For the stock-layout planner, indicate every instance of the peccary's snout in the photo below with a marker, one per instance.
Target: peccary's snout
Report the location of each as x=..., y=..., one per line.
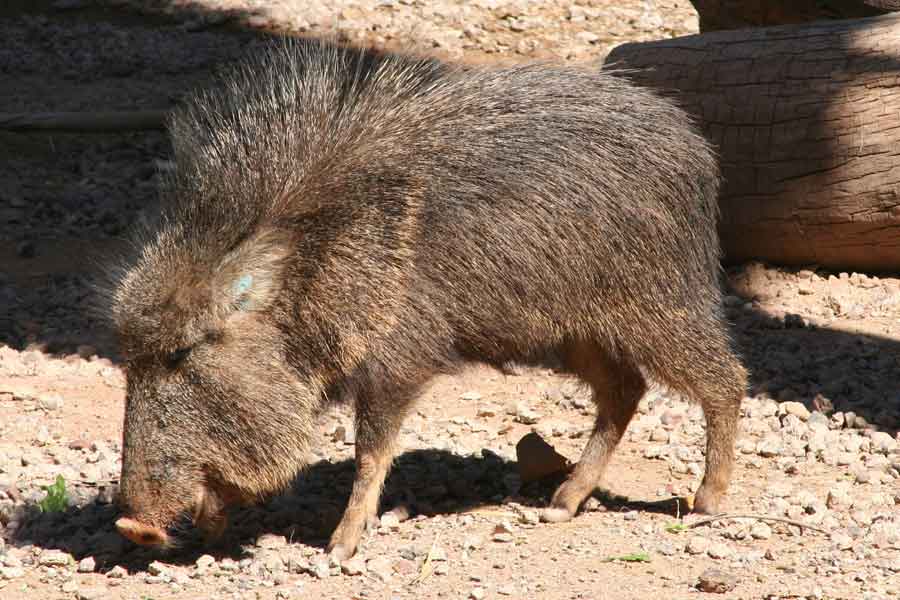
x=142, y=534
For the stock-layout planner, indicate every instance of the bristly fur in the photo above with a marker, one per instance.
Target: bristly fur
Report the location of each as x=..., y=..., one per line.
x=346, y=224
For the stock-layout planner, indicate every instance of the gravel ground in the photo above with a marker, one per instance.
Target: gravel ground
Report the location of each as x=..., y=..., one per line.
x=819, y=430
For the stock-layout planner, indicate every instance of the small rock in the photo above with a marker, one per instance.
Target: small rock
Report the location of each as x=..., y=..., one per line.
x=90, y=594
x=390, y=521
x=882, y=442
x=770, y=446
x=862, y=474
x=320, y=567
x=719, y=551
x=117, y=572
x=69, y=587
x=381, y=568
x=157, y=568
x=697, y=545
x=842, y=541
x=55, y=558
x=530, y=517
x=7, y=573
x=205, y=561
x=477, y=594
x=659, y=435
x=87, y=565
x=354, y=566
x=470, y=396
x=50, y=401
x=525, y=415
x=794, y=408
x=271, y=541
x=716, y=581
x=838, y=497
x=229, y=565
x=760, y=531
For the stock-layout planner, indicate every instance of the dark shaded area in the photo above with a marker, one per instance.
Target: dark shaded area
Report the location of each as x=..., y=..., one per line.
x=734, y=14
x=428, y=482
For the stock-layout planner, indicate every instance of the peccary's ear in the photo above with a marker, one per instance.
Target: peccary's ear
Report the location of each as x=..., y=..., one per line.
x=249, y=277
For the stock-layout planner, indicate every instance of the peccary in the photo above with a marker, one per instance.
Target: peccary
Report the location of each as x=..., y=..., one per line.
x=341, y=224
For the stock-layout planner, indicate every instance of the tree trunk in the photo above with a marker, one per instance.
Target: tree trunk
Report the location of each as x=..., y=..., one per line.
x=735, y=14
x=806, y=119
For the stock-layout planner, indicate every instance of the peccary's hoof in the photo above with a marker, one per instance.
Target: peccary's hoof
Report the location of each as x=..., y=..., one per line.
x=339, y=553
x=555, y=515
x=705, y=503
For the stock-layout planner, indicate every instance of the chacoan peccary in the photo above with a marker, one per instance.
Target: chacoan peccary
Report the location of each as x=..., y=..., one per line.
x=345, y=224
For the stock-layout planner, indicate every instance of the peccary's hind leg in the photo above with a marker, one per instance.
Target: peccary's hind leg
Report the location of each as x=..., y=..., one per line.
x=721, y=401
x=618, y=387
x=376, y=432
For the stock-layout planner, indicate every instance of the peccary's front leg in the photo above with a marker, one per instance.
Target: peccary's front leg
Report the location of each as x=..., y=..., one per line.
x=377, y=424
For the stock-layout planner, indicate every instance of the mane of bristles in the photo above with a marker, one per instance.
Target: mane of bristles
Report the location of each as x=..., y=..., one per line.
x=276, y=123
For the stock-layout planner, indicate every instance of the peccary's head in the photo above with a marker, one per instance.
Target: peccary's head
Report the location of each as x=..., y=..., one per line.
x=214, y=414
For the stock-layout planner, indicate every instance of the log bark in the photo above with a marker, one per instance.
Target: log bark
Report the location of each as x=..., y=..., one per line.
x=734, y=14
x=806, y=120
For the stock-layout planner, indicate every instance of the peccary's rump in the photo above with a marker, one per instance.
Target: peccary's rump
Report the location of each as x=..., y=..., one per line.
x=345, y=225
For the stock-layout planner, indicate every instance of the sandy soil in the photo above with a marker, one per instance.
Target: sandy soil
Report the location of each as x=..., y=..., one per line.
x=819, y=428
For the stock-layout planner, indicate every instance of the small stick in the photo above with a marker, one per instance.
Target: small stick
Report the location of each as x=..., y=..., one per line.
x=427, y=569
x=722, y=516
x=84, y=121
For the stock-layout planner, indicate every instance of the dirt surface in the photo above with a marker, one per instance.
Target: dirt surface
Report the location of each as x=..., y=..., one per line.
x=819, y=431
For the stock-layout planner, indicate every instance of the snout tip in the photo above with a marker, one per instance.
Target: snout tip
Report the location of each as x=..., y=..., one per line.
x=141, y=534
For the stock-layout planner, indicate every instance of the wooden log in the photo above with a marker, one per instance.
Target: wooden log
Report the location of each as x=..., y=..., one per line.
x=734, y=14
x=806, y=119
x=84, y=121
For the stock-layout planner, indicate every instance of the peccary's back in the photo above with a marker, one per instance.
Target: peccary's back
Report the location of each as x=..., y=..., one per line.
x=529, y=197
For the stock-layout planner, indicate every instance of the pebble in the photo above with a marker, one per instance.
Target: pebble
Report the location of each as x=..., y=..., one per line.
x=50, y=401
x=117, y=572
x=11, y=572
x=87, y=565
x=525, y=415
x=69, y=587
x=270, y=541
x=381, y=568
x=769, y=447
x=205, y=561
x=719, y=550
x=55, y=558
x=320, y=567
x=794, y=408
x=716, y=581
x=157, y=568
x=697, y=545
x=477, y=593
x=354, y=566
x=760, y=531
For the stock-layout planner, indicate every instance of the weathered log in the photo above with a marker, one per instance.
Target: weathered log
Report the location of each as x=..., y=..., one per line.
x=734, y=14
x=84, y=121
x=806, y=119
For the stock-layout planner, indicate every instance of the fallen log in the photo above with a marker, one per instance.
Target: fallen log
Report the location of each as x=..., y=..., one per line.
x=806, y=119
x=734, y=14
x=84, y=121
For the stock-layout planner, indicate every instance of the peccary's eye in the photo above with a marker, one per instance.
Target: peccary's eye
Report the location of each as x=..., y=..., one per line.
x=175, y=358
